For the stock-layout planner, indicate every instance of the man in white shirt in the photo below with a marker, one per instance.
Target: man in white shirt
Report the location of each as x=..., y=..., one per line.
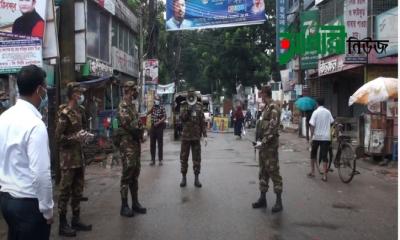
x=26, y=195
x=178, y=20
x=320, y=122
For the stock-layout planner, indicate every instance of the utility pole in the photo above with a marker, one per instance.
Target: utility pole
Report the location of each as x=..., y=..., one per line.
x=67, y=63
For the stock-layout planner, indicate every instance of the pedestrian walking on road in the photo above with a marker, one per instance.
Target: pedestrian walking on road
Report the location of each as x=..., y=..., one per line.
x=129, y=137
x=238, y=119
x=158, y=117
x=194, y=127
x=268, y=143
x=320, y=122
x=26, y=196
x=70, y=135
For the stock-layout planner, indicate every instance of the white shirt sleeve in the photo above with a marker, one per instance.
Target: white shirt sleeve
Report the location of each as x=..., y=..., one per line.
x=39, y=164
x=312, y=119
x=332, y=120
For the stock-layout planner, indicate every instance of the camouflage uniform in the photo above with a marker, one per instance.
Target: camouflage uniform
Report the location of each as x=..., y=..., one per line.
x=70, y=121
x=267, y=132
x=194, y=127
x=129, y=135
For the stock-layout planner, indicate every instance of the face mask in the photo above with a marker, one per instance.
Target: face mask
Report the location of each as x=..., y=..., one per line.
x=43, y=101
x=81, y=99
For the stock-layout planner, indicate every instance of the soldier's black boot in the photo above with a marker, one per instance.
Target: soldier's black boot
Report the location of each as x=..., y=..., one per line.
x=125, y=210
x=153, y=162
x=77, y=225
x=65, y=229
x=136, y=206
x=197, y=182
x=183, y=182
x=278, y=204
x=261, y=202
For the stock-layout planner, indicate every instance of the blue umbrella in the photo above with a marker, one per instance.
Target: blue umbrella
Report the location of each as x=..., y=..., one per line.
x=305, y=104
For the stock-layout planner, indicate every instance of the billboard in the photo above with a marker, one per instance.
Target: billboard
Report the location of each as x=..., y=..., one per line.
x=309, y=21
x=201, y=14
x=356, y=22
x=150, y=68
x=25, y=18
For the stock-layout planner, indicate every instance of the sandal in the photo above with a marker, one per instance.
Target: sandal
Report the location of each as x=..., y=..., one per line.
x=324, y=178
x=310, y=175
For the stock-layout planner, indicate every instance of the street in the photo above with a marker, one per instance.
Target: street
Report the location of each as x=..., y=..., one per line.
x=364, y=209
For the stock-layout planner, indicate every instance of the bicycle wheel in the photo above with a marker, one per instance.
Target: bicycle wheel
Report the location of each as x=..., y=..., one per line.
x=347, y=160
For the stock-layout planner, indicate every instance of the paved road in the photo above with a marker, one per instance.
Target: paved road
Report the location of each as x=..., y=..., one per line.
x=364, y=209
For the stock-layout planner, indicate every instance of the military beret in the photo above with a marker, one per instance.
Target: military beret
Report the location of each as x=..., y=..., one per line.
x=75, y=86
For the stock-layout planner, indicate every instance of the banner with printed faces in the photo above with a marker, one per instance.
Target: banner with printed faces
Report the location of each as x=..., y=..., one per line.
x=201, y=14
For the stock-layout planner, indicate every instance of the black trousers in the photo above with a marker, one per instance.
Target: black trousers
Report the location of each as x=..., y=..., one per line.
x=24, y=220
x=156, y=135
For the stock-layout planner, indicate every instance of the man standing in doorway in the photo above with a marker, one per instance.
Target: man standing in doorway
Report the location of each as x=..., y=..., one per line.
x=130, y=134
x=158, y=117
x=320, y=122
x=268, y=143
x=194, y=127
x=70, y=135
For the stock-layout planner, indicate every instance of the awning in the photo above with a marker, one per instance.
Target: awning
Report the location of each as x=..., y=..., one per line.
x=98, y=82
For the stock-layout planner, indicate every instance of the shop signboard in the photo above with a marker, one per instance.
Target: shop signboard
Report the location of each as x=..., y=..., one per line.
x=18, y=53
x=355, y=18
x=24, y=18
x=150, y=68
x=99, y=68
x=334, y=64
x=201, y=14
x=386, y=29
x=123, y=62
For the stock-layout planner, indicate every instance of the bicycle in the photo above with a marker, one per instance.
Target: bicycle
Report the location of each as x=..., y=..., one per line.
x=345, y=158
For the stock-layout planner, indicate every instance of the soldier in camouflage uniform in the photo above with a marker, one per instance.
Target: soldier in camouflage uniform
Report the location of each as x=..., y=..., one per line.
x=70, y=135
x=194, y=127
x=268, y=142
x=129, y=135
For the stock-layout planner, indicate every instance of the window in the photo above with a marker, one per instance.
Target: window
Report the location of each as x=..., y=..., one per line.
x=97, y=33
x=331, y=11
x=114, y=33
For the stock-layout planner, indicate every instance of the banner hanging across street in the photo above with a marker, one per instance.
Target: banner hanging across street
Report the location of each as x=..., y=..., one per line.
x=25, y=18
x=201, y=14
x=166, y=89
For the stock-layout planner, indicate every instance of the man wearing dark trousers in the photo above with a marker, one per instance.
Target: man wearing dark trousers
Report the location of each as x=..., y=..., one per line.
x=26, y=195
x=158, y=117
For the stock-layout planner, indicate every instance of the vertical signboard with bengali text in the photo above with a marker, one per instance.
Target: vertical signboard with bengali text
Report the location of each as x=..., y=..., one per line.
x=356, y=24
x=280, y=23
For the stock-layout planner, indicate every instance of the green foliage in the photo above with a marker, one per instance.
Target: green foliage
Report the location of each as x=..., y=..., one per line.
x=217, y=59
